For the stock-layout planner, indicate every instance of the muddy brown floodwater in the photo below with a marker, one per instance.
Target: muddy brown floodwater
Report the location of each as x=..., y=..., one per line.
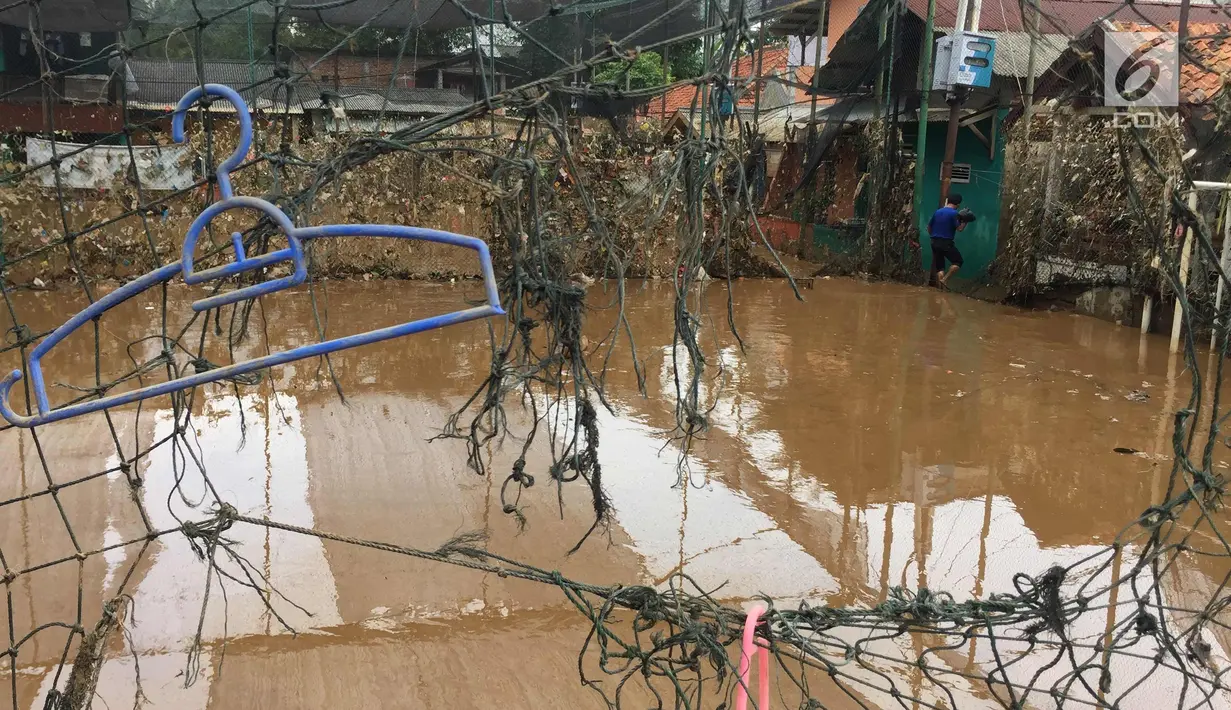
x=872, y=436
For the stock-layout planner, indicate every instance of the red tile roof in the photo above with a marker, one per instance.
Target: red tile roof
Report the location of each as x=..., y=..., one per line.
x=1209, y=42
x=1201, y=81
x=682, y=97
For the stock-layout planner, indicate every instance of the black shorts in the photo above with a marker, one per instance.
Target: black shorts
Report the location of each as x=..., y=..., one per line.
x=944, y=249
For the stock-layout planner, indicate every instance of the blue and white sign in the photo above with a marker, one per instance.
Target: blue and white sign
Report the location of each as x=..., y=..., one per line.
x=973, y=58
x=964, y=59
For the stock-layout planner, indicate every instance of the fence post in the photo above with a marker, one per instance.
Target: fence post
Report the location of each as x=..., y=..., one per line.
x=1226, y=257
x=1058, y=123
x=1177, y=319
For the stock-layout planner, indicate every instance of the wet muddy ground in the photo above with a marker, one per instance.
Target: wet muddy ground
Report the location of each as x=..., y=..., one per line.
x=872, y=436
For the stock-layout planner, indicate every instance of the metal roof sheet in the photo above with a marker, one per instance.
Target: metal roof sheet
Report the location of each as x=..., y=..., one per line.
x=1012, y=57
x=165, y=81
x=1070, y=17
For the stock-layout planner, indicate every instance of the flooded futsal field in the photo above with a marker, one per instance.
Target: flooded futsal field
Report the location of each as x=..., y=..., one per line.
x=873, y=436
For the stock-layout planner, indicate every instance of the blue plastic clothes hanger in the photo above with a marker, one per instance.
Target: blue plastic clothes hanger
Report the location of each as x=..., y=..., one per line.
x=294, y=253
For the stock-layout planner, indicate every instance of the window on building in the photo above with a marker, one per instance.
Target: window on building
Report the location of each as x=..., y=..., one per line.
x=961, y=173
x=86, y=40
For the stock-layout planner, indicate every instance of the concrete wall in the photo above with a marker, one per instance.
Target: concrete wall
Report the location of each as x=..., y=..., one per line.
x=1110, y=303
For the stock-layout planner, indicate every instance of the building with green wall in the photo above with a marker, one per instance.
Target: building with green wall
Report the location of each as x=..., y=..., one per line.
x=981, y=194
x=873, y=72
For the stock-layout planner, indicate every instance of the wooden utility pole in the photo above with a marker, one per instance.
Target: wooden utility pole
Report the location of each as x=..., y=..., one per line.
x=954, y=97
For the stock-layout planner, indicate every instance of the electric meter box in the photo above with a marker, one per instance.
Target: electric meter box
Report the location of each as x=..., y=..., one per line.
x=964, y=59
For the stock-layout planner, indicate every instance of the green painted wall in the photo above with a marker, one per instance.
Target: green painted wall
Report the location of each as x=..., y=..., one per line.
x=982, y=196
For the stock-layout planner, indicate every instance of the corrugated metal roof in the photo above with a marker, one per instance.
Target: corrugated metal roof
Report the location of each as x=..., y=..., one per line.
x=1070, y=17
x=865, y=110
x=800, y=20
x=162, y=82
x=1012, y=57
x=262, y=105
x=774, y=122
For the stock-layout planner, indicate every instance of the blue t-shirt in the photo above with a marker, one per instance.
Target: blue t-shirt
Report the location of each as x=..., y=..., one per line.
x=944, y=223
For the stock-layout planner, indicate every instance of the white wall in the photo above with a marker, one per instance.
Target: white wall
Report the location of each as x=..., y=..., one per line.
x=107, y=166
x=804, y=56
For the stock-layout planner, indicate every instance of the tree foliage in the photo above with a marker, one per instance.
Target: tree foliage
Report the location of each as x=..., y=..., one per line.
x=642, y=73
x=685, y=60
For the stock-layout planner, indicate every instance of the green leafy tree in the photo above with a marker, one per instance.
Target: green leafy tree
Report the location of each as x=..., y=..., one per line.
x=684, y=59
x=642, y=73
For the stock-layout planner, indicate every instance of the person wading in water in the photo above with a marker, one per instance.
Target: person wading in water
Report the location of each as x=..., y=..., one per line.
x=943, y=228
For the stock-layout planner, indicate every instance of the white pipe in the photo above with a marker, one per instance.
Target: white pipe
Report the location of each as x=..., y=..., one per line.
x=974, y=15
x=1226, y=256
x=1147, y=314
x=1185, y=257
x=1028, y=99
x=959, y=21
x=1206, y=185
